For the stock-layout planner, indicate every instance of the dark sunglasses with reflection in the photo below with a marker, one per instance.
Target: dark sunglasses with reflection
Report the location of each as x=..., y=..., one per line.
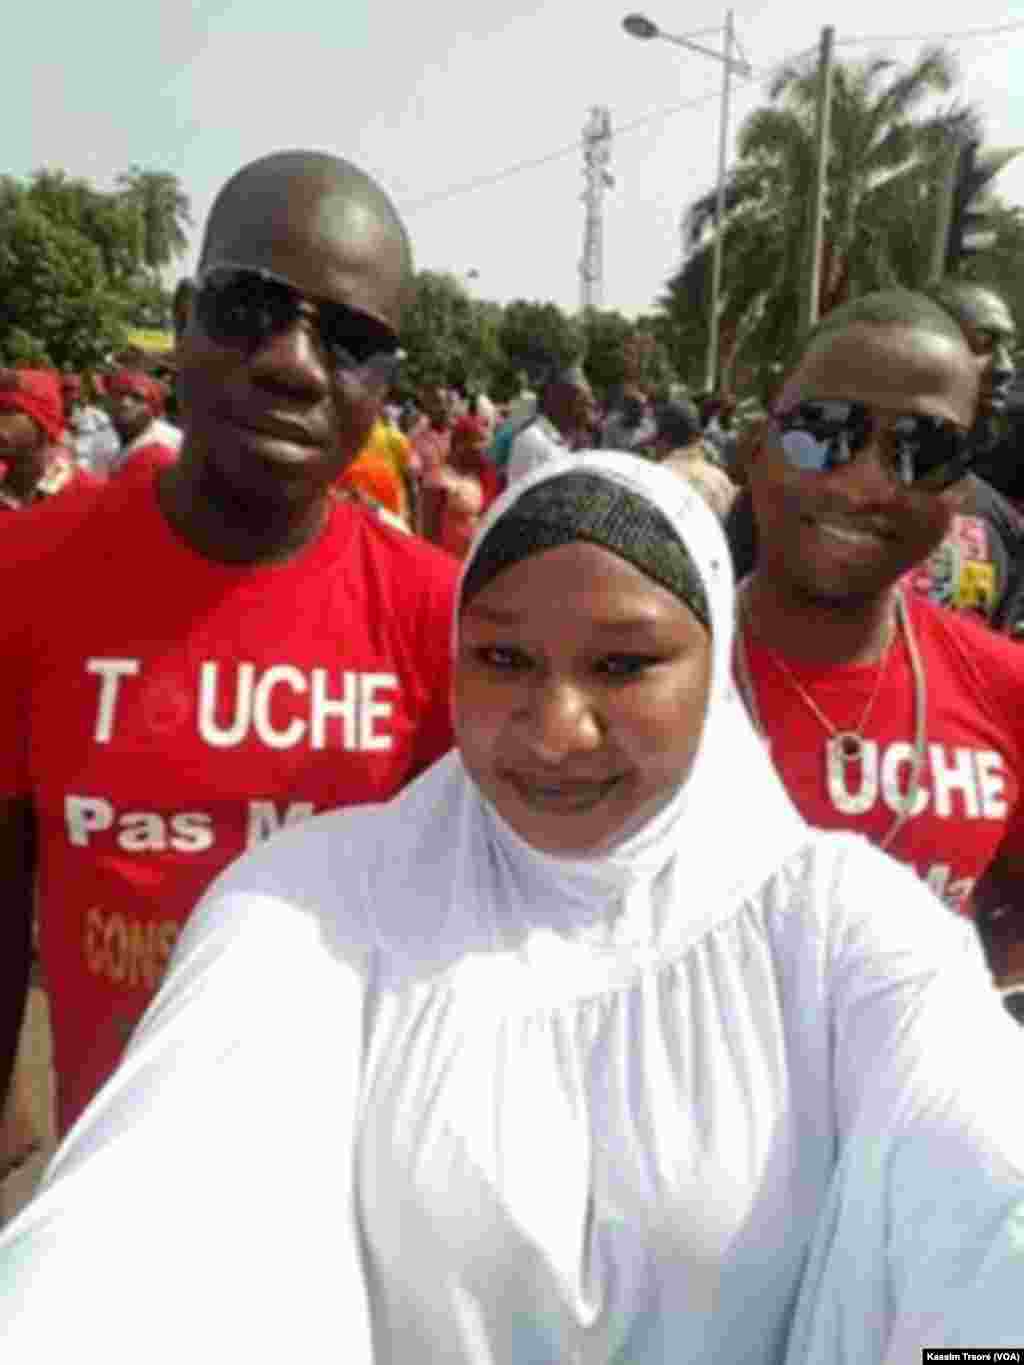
x=245, y=307
x=822, y=434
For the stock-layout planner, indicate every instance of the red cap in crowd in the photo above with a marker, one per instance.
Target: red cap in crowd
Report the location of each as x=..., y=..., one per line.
x=138, y=383
x=470, y=426
x=36, y=393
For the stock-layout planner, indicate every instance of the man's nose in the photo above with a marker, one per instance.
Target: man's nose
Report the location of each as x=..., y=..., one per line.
x=292, y=359
x=1002, y=364
x=870, y=478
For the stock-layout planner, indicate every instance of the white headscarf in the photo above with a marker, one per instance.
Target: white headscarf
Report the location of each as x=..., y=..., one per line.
x=729, y=825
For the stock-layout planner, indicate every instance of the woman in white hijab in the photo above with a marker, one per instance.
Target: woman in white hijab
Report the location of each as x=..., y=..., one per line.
x=583, y=1049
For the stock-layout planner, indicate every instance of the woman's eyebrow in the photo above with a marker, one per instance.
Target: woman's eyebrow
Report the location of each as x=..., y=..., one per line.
x=495, y=615
x=620, y=624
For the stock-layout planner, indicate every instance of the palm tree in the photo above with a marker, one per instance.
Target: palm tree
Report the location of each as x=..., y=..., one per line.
x=163, y=211
x=880, y=203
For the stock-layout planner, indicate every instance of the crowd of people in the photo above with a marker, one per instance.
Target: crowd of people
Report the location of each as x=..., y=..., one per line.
x=636, y=1012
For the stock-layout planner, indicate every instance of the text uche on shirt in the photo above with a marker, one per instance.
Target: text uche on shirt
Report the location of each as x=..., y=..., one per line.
x=957, y=782
x=327, y=708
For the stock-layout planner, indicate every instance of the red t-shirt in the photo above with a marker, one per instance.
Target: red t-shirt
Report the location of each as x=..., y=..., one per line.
x=146, y=461
x=165, y=712
x=972, y=796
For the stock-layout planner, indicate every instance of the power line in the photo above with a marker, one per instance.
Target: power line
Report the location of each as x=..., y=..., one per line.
x=572, y=148
x=495, y=179
x=963, y=35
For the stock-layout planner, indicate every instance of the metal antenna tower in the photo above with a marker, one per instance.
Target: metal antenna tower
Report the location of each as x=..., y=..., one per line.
x=597, y=154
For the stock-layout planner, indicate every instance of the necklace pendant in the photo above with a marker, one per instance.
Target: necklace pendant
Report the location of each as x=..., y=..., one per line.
x=849, y=746
x=843, y=749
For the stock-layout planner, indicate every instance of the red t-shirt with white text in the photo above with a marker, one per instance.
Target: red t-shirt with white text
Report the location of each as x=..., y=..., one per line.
x=972, y=782
x=165, y=712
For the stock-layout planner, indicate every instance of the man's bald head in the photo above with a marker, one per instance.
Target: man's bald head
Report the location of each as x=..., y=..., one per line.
x=326, y=208
x=884, y=349
x=887, y=308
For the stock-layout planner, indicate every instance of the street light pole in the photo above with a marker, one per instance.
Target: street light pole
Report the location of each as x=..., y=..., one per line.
x=711, y=368
x=639, y=26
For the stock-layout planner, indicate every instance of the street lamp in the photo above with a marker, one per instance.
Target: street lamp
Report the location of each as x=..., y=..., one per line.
x=639, y=26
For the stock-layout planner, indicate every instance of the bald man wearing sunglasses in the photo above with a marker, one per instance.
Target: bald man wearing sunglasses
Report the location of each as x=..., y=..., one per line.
x=978, y=567
x=264, y=650
x=885, y=714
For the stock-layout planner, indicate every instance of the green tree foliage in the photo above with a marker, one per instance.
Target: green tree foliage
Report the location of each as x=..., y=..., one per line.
x=106, y=220
x=535, y=337
x=883, y=172
x=74, y=268
x=648, y=362
x=606, y=338
x=451, y=338
x=55, y=301
x=441, y=332
x=162, y=214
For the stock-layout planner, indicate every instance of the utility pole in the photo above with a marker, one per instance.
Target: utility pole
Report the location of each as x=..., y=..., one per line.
x=597, y=153
x=639, y=26
x=822, y=130
x=711, y=367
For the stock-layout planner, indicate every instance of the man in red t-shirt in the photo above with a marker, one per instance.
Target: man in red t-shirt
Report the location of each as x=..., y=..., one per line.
x=34, y=462
x=263, y=651
x=886, y=714
x=135, y=402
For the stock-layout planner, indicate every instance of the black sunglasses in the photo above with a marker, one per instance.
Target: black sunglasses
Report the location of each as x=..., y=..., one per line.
x=243, y=306
x=822, y=434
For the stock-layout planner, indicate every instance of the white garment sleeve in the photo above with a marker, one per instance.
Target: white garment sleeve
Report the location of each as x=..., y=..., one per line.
x=530, y=449
x=922, y=1239
x=201, y=1209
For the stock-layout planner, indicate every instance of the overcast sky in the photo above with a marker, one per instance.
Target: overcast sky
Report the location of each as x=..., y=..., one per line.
x=436, y=97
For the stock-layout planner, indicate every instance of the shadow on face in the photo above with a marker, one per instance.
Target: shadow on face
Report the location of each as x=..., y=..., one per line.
x=581, y=690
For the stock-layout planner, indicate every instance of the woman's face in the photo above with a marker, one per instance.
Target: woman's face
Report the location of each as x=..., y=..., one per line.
x=580, y=693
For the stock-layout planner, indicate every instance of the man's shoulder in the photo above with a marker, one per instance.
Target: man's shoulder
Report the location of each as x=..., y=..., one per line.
x=54, y=525
x=146, y=459
x=995, y=508
x=994, y=658
x=411, y=563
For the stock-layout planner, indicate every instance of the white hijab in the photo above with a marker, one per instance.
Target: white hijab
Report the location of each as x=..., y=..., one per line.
x=720, y=834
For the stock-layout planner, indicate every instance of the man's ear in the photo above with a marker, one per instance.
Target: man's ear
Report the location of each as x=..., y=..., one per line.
x=182, y=306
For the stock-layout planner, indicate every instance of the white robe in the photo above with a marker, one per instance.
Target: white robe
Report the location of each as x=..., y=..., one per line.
x=414, y=1092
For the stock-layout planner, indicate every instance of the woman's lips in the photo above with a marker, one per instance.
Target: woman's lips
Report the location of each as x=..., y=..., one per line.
x=560, y=795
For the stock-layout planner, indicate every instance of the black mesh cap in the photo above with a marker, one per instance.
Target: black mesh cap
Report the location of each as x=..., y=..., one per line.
x=586, y=506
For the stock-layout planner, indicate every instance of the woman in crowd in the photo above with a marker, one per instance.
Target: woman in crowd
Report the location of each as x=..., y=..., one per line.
x=583, y=1049
x=470, y=484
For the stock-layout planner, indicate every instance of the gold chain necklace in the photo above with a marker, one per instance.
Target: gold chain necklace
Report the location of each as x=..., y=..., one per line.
x=847, y=746
x=844, y=746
